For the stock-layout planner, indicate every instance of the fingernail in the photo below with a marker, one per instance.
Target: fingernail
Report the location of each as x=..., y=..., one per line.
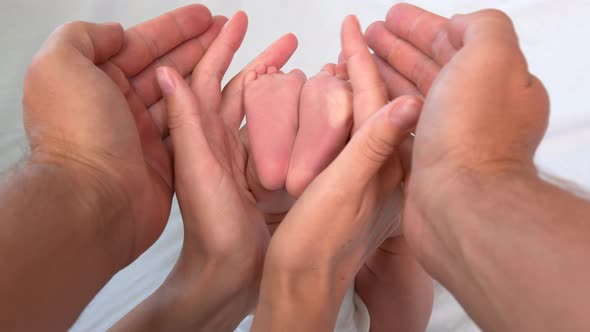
x=406, y=114
x=165, y=81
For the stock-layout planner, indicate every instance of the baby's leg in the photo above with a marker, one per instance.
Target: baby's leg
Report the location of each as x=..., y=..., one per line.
x=396, y=290
x=325, y=119
x=271, y=99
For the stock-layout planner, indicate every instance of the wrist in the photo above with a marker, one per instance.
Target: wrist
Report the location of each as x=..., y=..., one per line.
x=299, y=296
x=102, y=206
x=203, y=299
x=498, y=238
x=449, y=210
x=53, y=209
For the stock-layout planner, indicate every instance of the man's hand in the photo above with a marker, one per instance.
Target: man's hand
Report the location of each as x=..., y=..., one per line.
x=484, y=113
x=507, y=244
x=86, y=101
x=97, y=188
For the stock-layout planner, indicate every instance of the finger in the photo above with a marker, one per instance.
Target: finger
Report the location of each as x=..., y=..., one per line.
x=341, y=58
x=424, y=30
x=491, y=29
x=376, y=141
x=144, y=123
x=482, y=26
x=186, y=128
x=209, y=72
x=150, y=40
x=276, y=55
x=397, y=85
x=182, y=59
x=160, y=115
x=368, y=89
x=406, y=59
x=96, y=42
x=342, y=72
x=328, y=69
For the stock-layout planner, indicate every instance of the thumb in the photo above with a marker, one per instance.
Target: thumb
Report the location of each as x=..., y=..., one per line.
x=189, y=143
x=97, y=42
x=375, y=142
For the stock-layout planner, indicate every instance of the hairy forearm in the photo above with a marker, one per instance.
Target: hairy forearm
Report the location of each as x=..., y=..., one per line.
x=514, y=252
x=53, y=252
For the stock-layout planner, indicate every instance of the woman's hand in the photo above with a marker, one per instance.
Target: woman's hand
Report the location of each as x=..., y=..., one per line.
x=346, y=212
x=214, y=284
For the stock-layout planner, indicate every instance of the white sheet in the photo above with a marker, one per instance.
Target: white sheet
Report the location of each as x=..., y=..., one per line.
x=554, y=35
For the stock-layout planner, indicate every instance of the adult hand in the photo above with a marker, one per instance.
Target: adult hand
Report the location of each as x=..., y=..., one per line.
x=484, y=113
x=96, y=190
x=214, y=284
x=312, y=261
x=477, y=214
x=86, y=101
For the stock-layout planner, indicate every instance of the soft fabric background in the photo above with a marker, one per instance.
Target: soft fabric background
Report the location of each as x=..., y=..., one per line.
x=554, y=36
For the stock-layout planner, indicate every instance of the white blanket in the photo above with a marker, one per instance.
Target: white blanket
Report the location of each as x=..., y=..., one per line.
x=554, y=36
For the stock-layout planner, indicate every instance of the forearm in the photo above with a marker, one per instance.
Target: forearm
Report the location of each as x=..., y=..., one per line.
x=53, y=246
x=293, y=299
x=207, y=298
x=514, y=252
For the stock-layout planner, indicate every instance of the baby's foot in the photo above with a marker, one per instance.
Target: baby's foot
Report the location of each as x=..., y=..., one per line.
x=271, y=99
x=325, y=119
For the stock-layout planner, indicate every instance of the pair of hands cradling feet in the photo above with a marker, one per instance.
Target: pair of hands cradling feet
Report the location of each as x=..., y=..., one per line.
x=218, y=272
x=288, y=152
x=350, y=208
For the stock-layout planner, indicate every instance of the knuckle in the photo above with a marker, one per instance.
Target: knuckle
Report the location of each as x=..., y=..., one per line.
x=76, y=33
x=183, y=118
x=176, y=120
x=377, y=148
x=509, y=58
